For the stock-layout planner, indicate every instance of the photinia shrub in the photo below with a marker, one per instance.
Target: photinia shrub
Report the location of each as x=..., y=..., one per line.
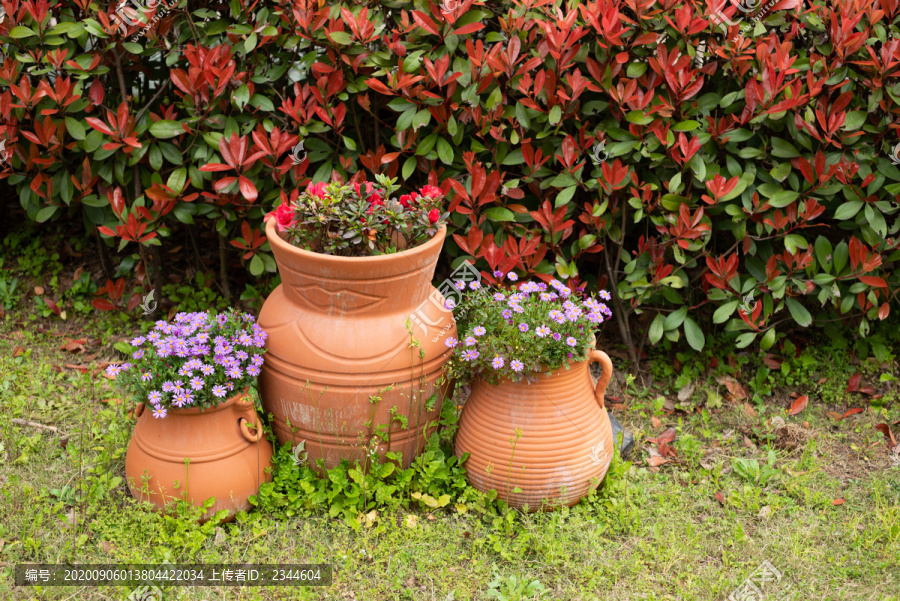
x=709, y=162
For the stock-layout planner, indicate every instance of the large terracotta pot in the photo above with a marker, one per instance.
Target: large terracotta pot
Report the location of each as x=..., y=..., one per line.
x=565, y=442
x=339, y=367
x=227, y=458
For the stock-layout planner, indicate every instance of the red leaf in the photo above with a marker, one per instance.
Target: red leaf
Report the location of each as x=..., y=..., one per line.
x=18, y=351
x=425, y=22
x=867, y=390
x=884, y=311
x=886, y=430
x=247, y=188
x=100, y=126
x=720, y=497
x=771, y=362
x=103, y=304
x=799, y=405
x=873, y=281
x=853, y=384
x=656, y=461
x=837, y=502
x=470, y=28
x=852, y=411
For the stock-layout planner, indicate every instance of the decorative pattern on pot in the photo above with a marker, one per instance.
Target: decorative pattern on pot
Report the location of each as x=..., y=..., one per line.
x=340, y=365
x=225, y=447
x=548, y=439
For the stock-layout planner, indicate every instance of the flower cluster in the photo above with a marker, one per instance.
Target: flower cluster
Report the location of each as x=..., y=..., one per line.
x=197, y=361
x=515, y=332
x=359, y=219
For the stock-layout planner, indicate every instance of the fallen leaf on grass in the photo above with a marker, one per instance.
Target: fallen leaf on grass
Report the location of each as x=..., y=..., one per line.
x=736, y=390
x=39, y=290
x=656, y=461
x=886, y=430
x=749, y=444
x=853, y=383
x=720, y=498
x=867, y=390
x=18, y=351
x=685, y=393
x=74, y=346
x=771, y=361
x=835, y=416
x=799, y=405
x=822, y=380
x=749, y=411
x=113, y=401
x=852, y=411
x=837, y=502
x=655, y=422
x=765, y=512
x=667, y=436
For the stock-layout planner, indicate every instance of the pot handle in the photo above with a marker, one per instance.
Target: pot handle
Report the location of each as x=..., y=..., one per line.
x=604, y=361
x=138, y=410
x=245, y=430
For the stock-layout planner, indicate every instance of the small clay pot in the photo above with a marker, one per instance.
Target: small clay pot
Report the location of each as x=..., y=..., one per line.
x=340, y=371
x=227, y=451
x=564, y=443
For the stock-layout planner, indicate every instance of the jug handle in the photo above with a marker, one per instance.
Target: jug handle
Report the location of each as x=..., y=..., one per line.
x=245, y=430
x=604, y=361
x=138, y=410
x=247, y=406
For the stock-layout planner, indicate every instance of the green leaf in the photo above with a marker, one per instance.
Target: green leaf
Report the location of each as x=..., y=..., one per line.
x=341, y=37
x=768, y=340
x=657, y=328
x=422, y=118
x=256, y=265
x=445, y=151
x=848, y=210
x=744, y=340
x=783, y=198
x=262, y=103
x=688, y=125
x=177, y=180
x=21, y=32
x=75, y=128
x=799, y=312
x=46, y=213
x=694, y=334
x=132, y=47
x=500, y=214
x=784, y=149
x=565, y=196
x=555, y=115
x=408, y=167
x=675, y=319
x=166, y=129
x=722, y=314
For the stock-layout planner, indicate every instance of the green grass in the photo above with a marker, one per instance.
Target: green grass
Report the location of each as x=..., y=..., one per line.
x=651, y=533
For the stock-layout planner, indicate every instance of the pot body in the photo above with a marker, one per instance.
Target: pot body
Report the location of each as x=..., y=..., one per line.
x=227, y=458
x=340, y=371
x=551, y=437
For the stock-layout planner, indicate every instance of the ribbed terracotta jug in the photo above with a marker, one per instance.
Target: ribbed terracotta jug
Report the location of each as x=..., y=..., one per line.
x=564, y=446
x=227, y=456
x=340, y=370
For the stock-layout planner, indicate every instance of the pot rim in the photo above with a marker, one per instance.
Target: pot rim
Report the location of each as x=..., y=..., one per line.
x=426, y=248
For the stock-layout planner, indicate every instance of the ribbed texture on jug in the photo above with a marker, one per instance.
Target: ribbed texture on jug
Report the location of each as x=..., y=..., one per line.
x=549, y=438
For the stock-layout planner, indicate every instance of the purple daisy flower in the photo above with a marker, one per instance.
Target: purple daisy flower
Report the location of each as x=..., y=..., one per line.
x=497, y=363
x=506, y=313
x=547, y=296
x=523, y=327
x=499, y=296
x=253, y=370
x=542, y=331
x=257, y=360
x=155, y=397
x=207, y=370
x=498, y=273
x=168, y=387
x=242, y=355
x=518, y=309
x=571, y=341
x=138, y=341
x=153, y=336
x=113, y=369
x=196, y=383
x=557, y=336
x=146, y=377
x=451, y=342
x=479, y=331
x=470, y=341
x=470, y=355
x=234, y=372
x=512, y=276
x=159, y=412
x=460, y=285
x=516, y=365
x=449, y=303
x=218, y=390
x=604, y=295
x=474, y=285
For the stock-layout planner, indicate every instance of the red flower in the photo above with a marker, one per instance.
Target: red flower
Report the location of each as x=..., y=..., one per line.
x=284, y=217
x=433, y=215
x=431, y=191
x=375, y=199
x=408, y=199
x=317, y=190
x=369, y=187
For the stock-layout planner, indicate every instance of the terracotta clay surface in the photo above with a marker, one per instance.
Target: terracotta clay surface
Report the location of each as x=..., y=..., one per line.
x=565, y=446
x=339, y=364
x=227, y=457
